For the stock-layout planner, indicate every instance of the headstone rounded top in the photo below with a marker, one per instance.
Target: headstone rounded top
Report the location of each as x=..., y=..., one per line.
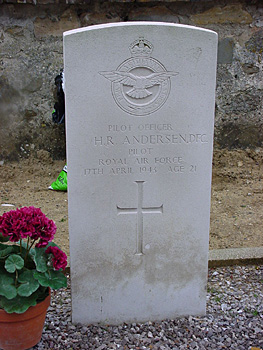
x=135, y=23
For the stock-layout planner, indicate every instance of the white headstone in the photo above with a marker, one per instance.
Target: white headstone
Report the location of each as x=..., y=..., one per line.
x=139, y=114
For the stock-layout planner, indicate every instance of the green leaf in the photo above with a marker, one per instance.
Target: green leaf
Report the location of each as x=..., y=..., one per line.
x=52, y=244
x=3, y=239
x=7, y=285
x=5, y=250
x=28, y=283
x=19, y=304
x=40, y=258
x=32, y=252
x=14, y=262
x=52, y=279
x=15, y=248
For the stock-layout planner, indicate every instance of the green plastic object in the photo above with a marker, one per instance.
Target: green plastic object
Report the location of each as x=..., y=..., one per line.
x=61, y=183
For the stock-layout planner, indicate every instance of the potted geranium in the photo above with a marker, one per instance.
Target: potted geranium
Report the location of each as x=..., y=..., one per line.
x=30, y=265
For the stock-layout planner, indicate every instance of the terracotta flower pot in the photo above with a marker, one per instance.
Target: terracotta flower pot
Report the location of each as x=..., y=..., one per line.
x=22, y=331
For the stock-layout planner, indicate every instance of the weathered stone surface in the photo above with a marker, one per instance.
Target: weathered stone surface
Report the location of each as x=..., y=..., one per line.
x=74, y=2
x=220, y=15
x=255, y=43
x=241, y=103
x=56, y=27
x=16, y=30
x=33, y=84
x=45, y=2
x=162, y=1
x=250, y=68
x=224, y=79
x=29, y=113
x=24, y=12
x=156, y=13
x=87, y=19
x=225, y=51
x=10, y=100
x=27, y=73
x=124, y=1
x=239, y=135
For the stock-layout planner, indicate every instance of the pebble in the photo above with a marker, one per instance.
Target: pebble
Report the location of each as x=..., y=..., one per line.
x=234, y=320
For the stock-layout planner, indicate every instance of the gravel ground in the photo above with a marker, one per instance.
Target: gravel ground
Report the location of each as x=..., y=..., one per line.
x=234, y=320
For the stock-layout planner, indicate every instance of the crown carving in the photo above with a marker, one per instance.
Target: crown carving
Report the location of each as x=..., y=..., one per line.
x=141, y=48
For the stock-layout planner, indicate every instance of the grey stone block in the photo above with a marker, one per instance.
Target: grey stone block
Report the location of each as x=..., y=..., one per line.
x=225, y=51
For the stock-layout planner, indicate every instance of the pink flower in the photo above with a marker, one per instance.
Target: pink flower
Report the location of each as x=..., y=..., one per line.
x=10, y=225
x=27, y=222
x=59, y=259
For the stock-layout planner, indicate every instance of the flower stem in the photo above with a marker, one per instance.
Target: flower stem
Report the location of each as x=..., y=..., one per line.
x=31, y=245
x=28, y=247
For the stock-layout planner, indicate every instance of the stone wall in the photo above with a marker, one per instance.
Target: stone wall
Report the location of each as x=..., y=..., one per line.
x=31, y=55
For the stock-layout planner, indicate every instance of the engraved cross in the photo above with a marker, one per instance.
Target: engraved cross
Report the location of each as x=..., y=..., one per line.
x=140, y=210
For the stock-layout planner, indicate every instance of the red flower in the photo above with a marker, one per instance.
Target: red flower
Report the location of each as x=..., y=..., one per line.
x=10, y=225
x=27, y=222
x=59, y=259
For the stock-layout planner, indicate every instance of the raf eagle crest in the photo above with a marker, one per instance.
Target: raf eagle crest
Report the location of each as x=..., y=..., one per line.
x=141, y=84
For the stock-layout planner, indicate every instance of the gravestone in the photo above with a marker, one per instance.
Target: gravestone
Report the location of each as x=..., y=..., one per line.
x=139, y=123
